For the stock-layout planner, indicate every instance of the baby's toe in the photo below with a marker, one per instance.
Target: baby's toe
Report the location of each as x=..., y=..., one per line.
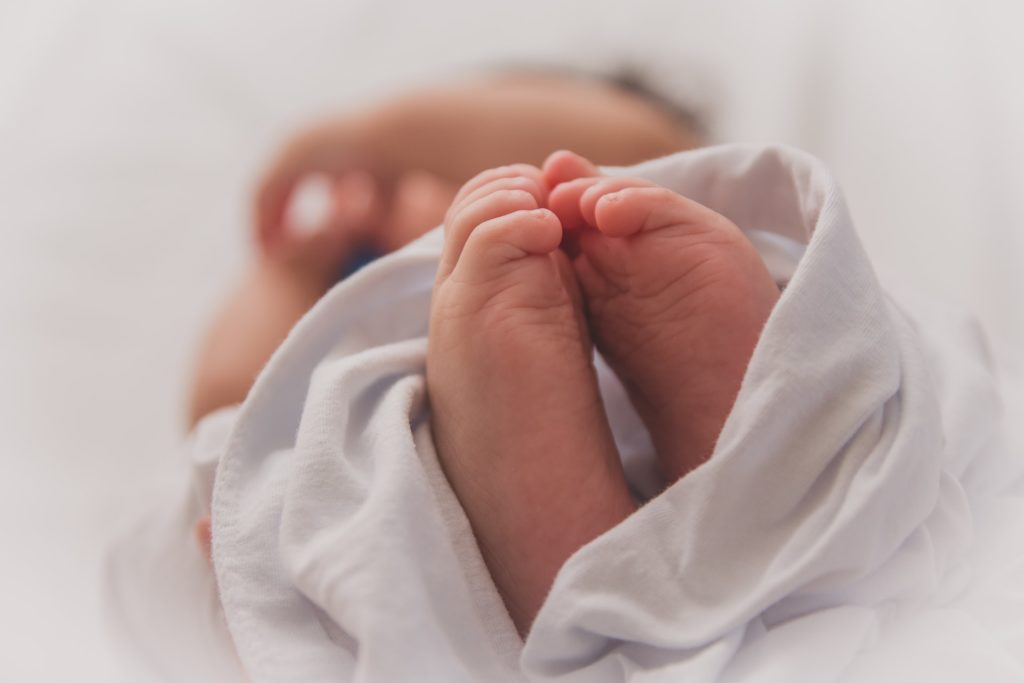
x=463, y=223
x=575, y=201
x=563, y=166
x=522, y=183
x=564, y=201
x=523, y=176
x=499, y=241
x=620, y=207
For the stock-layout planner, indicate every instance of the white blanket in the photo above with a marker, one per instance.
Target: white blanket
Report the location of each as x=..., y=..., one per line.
x=860, y=518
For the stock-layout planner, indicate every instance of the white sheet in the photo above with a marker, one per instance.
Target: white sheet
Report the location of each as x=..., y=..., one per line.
x=832, y=535
x=130, y=133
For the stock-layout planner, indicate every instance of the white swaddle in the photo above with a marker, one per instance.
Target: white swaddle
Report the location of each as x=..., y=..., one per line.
x=860, y=518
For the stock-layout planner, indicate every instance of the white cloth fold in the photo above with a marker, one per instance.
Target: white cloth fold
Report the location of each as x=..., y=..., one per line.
x=833, y=535
x=161, y=597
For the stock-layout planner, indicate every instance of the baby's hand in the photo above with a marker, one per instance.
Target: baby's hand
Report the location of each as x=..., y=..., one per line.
x=368, y=196
x=335, y=152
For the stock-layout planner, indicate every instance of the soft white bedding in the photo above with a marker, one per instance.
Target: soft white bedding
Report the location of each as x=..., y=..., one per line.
x=130, y=133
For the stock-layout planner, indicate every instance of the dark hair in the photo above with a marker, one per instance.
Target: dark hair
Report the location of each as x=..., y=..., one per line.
x=632, y=82
x=625, y=79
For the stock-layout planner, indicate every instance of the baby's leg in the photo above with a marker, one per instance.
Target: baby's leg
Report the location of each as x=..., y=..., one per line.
x=677, y=297
x=517, y=418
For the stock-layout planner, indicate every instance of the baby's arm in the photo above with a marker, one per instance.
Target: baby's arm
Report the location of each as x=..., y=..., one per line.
x=254, y=321
x=456, y=131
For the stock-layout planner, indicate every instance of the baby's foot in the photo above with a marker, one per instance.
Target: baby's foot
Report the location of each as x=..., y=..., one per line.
x=517, y=418
x=677, y=298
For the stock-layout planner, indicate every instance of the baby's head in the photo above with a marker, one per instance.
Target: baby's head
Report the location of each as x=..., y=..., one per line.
x=611, y=120
x=523, y=116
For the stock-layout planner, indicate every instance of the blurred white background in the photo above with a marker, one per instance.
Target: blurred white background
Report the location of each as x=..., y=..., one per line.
x=131, y=132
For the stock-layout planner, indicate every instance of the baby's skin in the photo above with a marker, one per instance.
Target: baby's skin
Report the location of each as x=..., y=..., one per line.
x=517, y=418
x=677, y=297
x=672, y=294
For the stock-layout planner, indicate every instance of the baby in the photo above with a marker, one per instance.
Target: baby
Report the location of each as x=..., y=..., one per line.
x=394, y=170
x=438, y=462
x=539, y=266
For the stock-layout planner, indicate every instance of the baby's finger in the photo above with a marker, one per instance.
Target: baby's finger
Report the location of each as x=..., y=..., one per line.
x=301, y=156
x=628, y=210
x=357, y=206
x=311, y=153
x=272, y=199
x=462, y=223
